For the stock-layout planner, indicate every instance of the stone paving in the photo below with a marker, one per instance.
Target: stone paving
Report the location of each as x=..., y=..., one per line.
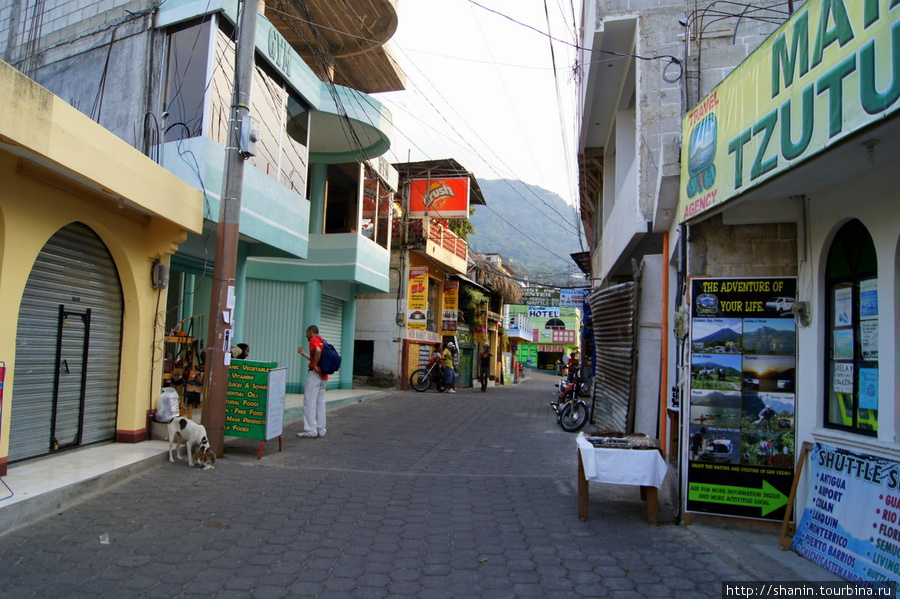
x=419, y=495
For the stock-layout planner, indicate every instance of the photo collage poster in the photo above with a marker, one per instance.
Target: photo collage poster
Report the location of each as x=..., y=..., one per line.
x=740, y=430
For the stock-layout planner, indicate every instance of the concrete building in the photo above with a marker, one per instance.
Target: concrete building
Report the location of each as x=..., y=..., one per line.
x=316, y=203
x=398, y=328
x=86, y=221
x=759, y=153
x=643, y=70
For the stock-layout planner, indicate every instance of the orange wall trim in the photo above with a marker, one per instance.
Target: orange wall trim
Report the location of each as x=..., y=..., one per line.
x=136, y=436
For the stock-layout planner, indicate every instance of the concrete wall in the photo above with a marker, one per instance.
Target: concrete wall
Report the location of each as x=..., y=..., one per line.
x=719, y=250
x=649, y=334
x=93, y=55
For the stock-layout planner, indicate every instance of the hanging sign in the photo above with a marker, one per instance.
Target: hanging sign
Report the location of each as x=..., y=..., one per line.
x=439, y=198
x=539, y=297
x=740, y=426
x=451, y=308
x=825, y=74
x=417, y=300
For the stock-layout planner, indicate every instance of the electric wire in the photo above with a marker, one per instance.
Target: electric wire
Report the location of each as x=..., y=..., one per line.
x=484, y=144
x=357, y=97
x=672, y=59
x=363, y=97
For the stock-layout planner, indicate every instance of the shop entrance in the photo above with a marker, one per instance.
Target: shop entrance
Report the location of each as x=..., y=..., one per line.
x=65, y=389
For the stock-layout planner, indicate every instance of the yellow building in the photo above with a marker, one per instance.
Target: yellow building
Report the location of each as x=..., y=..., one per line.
x=87, y=225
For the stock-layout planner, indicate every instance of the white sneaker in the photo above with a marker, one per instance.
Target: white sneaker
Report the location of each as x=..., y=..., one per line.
x=306, y=435
x=452, y=391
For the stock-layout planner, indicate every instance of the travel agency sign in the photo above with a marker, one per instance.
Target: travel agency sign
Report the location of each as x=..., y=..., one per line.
x=832, y=69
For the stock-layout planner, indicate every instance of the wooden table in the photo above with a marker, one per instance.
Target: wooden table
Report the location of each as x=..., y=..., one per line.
x=643, y=467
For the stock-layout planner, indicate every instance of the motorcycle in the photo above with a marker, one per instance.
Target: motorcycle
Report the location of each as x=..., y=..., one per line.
x=421, y=379
x=571, y=410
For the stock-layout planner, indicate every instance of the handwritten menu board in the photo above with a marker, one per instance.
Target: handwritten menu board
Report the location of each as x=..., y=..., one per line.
x=851, y=523
x=254, y=400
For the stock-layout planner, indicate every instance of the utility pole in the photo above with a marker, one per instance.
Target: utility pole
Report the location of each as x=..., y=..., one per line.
x=240, y=140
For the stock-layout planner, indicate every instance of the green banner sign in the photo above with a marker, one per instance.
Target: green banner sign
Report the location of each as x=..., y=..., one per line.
x=767, y=499
x=254, y=400
x=832, y=69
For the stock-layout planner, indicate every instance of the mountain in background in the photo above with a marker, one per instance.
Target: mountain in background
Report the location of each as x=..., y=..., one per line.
x=533, y=229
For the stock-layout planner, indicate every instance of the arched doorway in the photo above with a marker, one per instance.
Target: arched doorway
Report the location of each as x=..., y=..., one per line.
x=68, y=347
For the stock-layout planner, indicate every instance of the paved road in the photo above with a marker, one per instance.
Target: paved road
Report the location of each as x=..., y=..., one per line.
x=410, y=495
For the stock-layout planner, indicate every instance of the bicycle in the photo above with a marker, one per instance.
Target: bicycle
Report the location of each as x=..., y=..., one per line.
x=421, y=379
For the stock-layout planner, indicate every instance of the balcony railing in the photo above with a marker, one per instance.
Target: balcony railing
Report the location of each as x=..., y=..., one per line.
x=437, y=234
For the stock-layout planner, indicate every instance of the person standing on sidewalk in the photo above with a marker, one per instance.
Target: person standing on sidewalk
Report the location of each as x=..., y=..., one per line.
x=484, y=367
x=450, y=367
x=314, y=394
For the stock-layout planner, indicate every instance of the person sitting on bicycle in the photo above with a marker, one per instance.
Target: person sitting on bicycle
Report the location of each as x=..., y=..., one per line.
x=437, y=354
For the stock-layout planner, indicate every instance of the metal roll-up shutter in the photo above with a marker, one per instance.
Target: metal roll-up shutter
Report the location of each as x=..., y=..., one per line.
x=332, y=321
x=614, y=315
x=274, y=327
x=70, y=320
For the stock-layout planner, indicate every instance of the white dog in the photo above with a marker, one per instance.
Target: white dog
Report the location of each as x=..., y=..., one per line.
x=188, y=433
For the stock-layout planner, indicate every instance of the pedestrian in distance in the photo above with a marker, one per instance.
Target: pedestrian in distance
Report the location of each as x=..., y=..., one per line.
x=450, y=367
x=314, y=394
x=484, y=367
x=572, y=366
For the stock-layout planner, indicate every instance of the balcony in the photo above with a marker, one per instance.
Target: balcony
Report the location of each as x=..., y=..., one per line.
x=352, y=35
x=349, y=257
x=436, y=241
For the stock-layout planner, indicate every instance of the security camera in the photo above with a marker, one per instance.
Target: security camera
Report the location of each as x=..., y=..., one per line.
x=683, y=22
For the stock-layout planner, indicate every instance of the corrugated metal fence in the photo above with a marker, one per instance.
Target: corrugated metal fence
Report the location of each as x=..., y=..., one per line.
x=614, y=311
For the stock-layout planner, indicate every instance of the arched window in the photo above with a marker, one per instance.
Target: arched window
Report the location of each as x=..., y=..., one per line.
x=851, y=295
x=556, y=324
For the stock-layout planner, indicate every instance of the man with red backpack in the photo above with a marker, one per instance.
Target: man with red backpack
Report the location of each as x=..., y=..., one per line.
x=314, y=394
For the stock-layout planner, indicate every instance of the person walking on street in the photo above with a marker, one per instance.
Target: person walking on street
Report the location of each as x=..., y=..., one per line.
x=450, y=367
x=314, y=394
x=484, y=367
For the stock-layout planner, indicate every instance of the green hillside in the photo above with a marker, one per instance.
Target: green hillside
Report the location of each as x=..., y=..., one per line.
x=533, y=229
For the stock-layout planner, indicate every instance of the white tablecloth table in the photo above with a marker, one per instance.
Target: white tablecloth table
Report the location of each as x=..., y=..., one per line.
x=643, y=467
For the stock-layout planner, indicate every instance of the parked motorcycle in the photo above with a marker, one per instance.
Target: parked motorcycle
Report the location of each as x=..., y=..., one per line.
x=571, y=411
x=421, y=379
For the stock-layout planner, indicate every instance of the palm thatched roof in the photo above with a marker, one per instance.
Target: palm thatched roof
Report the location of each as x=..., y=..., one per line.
x=498, y=279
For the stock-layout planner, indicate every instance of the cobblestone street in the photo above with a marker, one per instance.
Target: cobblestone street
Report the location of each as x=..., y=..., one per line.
x=420, y=495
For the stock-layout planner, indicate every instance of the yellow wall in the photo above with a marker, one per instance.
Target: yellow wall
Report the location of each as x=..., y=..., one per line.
x=58, y=167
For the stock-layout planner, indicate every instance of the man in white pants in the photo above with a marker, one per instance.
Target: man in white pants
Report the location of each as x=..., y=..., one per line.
x=314, y=395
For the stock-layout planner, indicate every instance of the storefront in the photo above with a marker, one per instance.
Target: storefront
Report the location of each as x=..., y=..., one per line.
x=790, y=174
x=88, y=227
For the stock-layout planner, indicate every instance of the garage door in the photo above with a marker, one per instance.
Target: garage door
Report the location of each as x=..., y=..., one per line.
x=68, y=346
